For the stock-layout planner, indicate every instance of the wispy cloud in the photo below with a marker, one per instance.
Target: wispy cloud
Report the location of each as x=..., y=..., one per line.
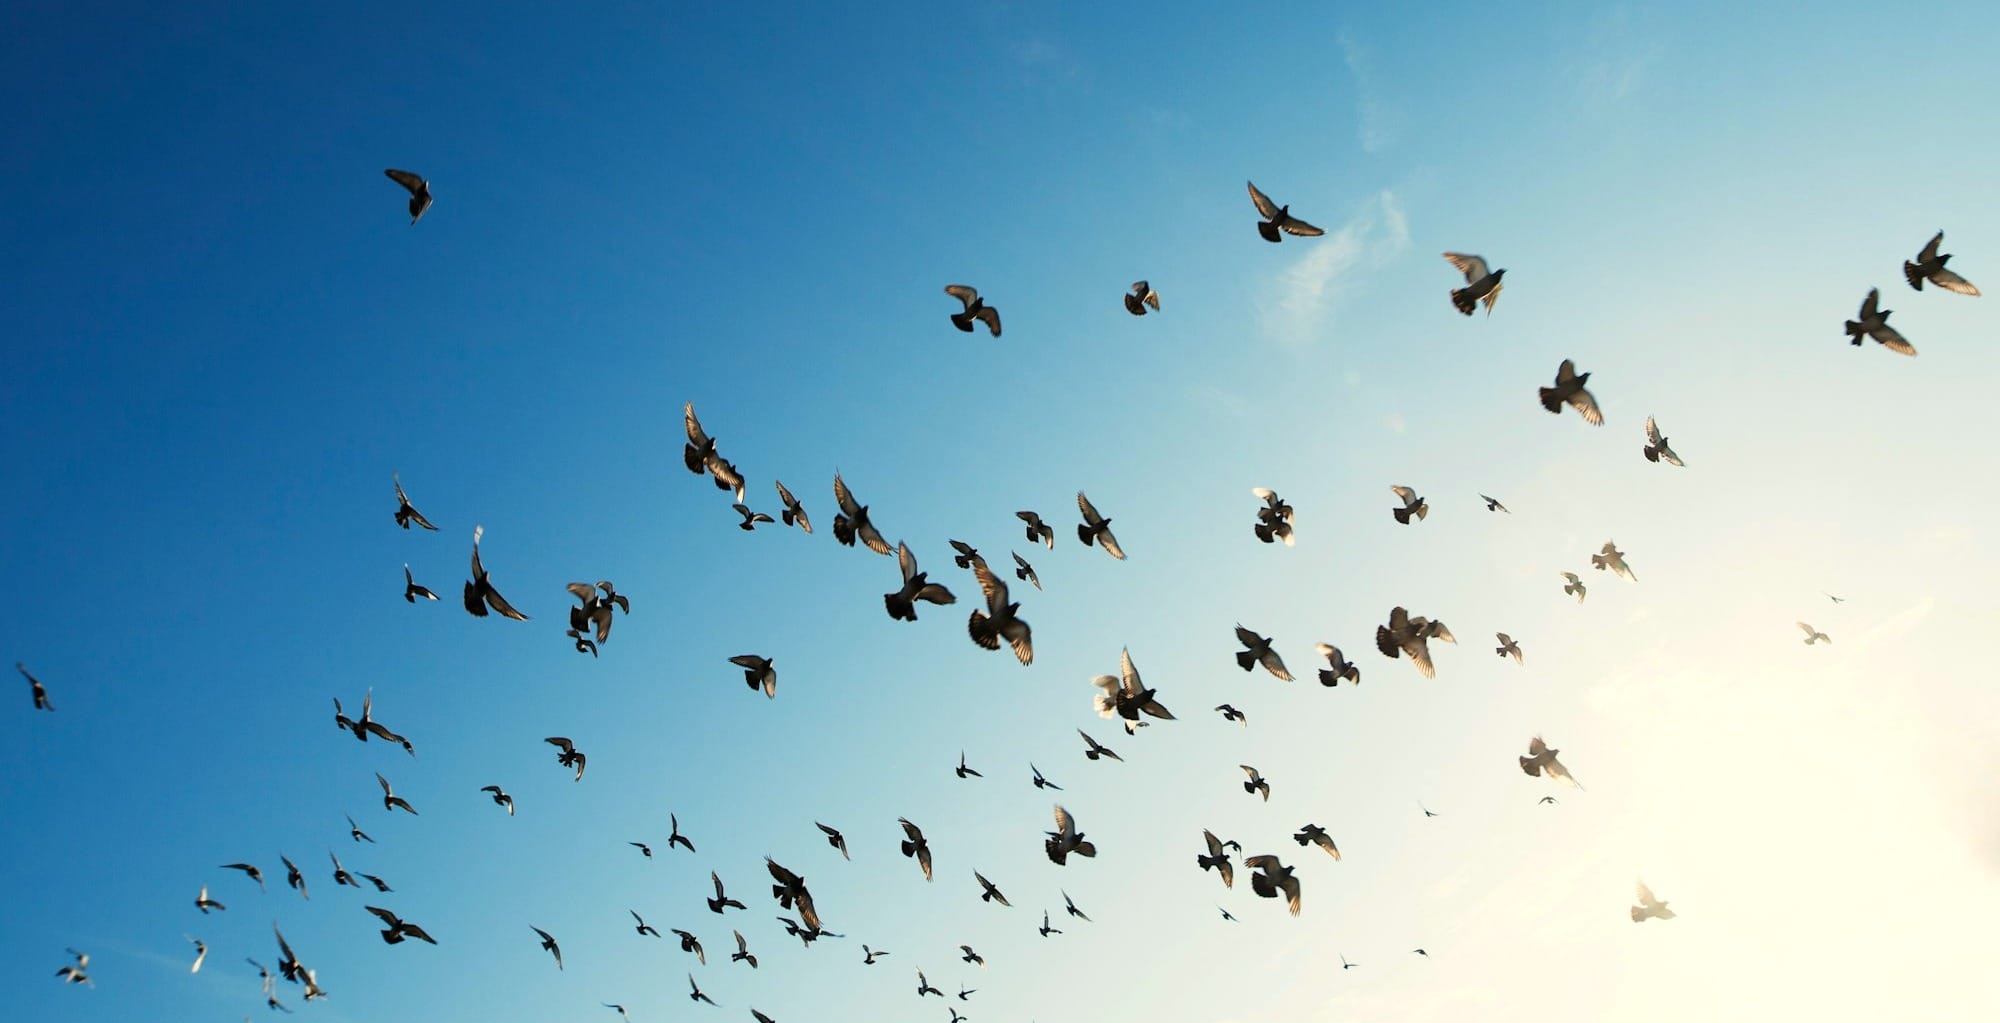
x=1377, y=120
x=1298, y=302
x=1617, y=57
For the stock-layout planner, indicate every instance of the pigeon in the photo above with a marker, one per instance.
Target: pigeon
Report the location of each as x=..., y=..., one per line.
x=254, y=874
x=1278, y=218
x=700, y=456
x=406, y=512
x=644, y=849
x=1037, y=529
x=1428, y=812
x=794, y=514
x=1481, y=284
x=73, y=974
x=1656, y=449
x=869, y=955
x=1875, y=323
x=924, y=986
x=1316, y=835
x=1217, y=859
x=295, y=877
x=690, y=943
x=1042, y=782
x=411, y=591
x=549, y=944
x=1345, y=965
x=1025, y=572
x=1141, y=296
x=758, y=672
x=1341, y=667
x=1837, y=600
x=965, y=993
x=1546, y=801
x=584, y=644
x=354, y=831
x=967, y=955
x=742, y=953
x=1274, y=520
x=967, y=554
x=1069, y=906
x=340, y=874
x=998, y=620
x=1066, y=839
x=595, y=606
x=204, y=903
x=399, y=928
x=988, y=892
x=1227, y=915
x=390, y=800
x=975, y=309
x=620, y=1008
x=1928, y=267
x=1507, y=647
x=1541, y=760
x=1420, y=952
x=694, y=992
x=722, y=900
x=1096, y=528
x=1256, y=783
x=1125, y=696
x=479, y=591
x=1573, y=586
x=1045, y=929
x=641, y=926
x=750, y=518
x=1094, y=750
x=1493, y=504
x=963, y=771
x=41, y=693
x=367, y=725
x=790, y=891
x=1230, y=713
x=1650, y=908
x=503, y=799
x=916, y=586
x=568, y=755
x=1273, y=877
x=834, y=839
x=915, y=845
x=1257, y=650
x=1814, y=635
x=380, y=885
x=674, y=836
x=1569, y=389
x=1610, y=557
x=200, y=953
x=852, y=522
x=419, y=189
x=1411, y=636
x=1412, y=505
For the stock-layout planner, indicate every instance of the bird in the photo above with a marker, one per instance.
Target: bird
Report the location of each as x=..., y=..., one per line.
x=1573, y=585
x=790, y=891
x=1141, y=296
x=750, y=518
x=644, y=849
x=794, y=514
x=390, y=800
x=1656, y=449
x=1256, y=783
x=1069, y=906
x=1814, y=635
x=700, y=456
x=406, y=512
x=254, y=874
x=354, y=831
x=915, y=845
x=924, y=986
x=1217, y=858
x=988, y=892
x=1273, y=877
x=975, y=309
x=916, y=586
x=1227, y=915
x=1546, y=800
x=419, y=189
x=1420, y=952
x=1094, y=750
x=694, y=992
x=411, y=591
x=584, y=644
x=41, y=692
x=641, y=926
x=742, y=953
x=1125, y=696
x=1025, y=572
x=1569, y=389
x=340, y=874
x=73, y=974
x=1066, y=839
x=1257, y=650
x=295, y=878
x=1541, y=760
x=852, y=522
x=200, y=953
x=1341, y=667
x=479, y=591
x=1042, y=782
x=967, y=554
x=674, y=836
x=1507, y=647
x=834, y=839
x=1481, y=284
x=568, y=755
x=1411, y=636
x=963, y=771
x=965, y=993
x=366, y=725
x=1045, y=929
x=1929, y=266
x=1278, y=218
x=620, y=1008
x=1837, y=600
x=1037, y=529
x=1274, y=520
x=549, y=944
x=760, y=1017
x=999, y=621
x=1493, y=504
x=595, y=604
x=758, y=672
x=869, y=955
x=1096, y=528
x=1230, y=713
x=722, y=900
x=503, y=799
x=1345, y=965
x=690, y=943
x=1874, y=323
x=1412, y=505
x=1316, y=835
x=1650, y=908
x=380, y=885
x=1610, y=557
x=204, y=903
x=967, y=955
x=399, y=928
x=1428, y=812
x=955, y=1017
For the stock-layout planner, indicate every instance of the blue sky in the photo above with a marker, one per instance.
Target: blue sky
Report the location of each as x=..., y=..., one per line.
x=224, y=336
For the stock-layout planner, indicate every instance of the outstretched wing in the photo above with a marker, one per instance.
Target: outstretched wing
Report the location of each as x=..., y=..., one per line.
x=1473, y=267
x=1263, y=202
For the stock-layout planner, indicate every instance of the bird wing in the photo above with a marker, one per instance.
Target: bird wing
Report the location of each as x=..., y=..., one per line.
x=844, y=497
x=991, y=585
x=414, y=183
x=717, y=878
x=1930, y=252
x=1646, y=894
x=1892, y=339
x=963, y=294
x=1945, y=279
x=1294, y=226
x=1089, y=510
x=1254, y=777
x=564, y=744
x=1536, y=747
x=906, y=561
x=1473, y=267
x=1409, y=496
x=989, y=316
x=1868, y=305
x=1110, y=544
x=1128, y=675
x=1263, y=202
x=1652, y=432
x=1585, y=405
x=695, y=434
x=1065, y=823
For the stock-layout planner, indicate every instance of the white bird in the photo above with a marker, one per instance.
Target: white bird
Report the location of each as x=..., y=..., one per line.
x=1573, y=586
x=200, y=953
x=1541, y=760
x=1650, y=907
x=1814, y=635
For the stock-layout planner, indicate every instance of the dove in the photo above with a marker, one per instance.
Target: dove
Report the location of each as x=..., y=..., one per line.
x=794, y=514
x=1341, y=667
x=1094, y=750
x=834, y=839
x=963, y=771
x=419, y=189
x=204, y=903
x=790, y=891
x=722, y=900
x=1541, y=760
x=750, y=518
x=411, y=591
x=916, y=586
x=1569, y=389
x=1316, y=835
x=998, y=621
x=1069, y=906
x=1278, y=219
x=1929, y=266
x=399, y=928
x=1411, y=636
x=479, y=591
x=641, y=927
x=852, y=522
x=1610, y=557
x=1066, y=839
x=1274, y=520
x=1481, y=284
x=1257, y=650
x=406, y=512
x=41, y=692
x=1096, y=528
x=568, y=755
x=674, y=836
x=584, y=644
x=254, y=874
x=1656, y=449
x=1874, y=323
x=915, y=846
x=1125, y=696
x=503, y=799
x=1273, y=877
x=390, y=800
x=1493, y=505
x=1042, y=782
x=549, y=945
x=1256, y=782
x=1814, y=635
x=967, y=955
x=700, y=456
x=354, y=831
x=1412, y=505
x=690, y=943
x=1573, y=585
x=975, y=309
x=758, y=672
x=1230, y=713
x=988, y=892
x=200, y=953
x=742, y=953
x=1143, y=295
x=1650, y=908
x=1507, y=647
x=1037, y=529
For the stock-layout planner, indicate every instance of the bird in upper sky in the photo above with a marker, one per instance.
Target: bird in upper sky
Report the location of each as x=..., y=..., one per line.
x=1541, y=760
x=390, y=800
x=998, y=621
x=975, y=309
x=758, y=673
x=1411, y=636
x=1507, y=647
x=568, y=755
x=479, y=591
x=1042, y=782
x=644, y=849
x=1814, y=635
x=1278, y=218
x=1274, y=520
x=1874, y=322
x=1412, y=505
x=924, y=986
x=834, y=839
x=1340, y=666
x=399, y=928
x=790, y=891
x=1650, y=908
x=1227, y=915
x=914, y=845
x=721, y=901
x=1273, y=877
x=1094, y=750
x=967, y=955
x=419, y=189
x=916, y=586
x=1316, y=835
x=1125, y=696
x=1493, y=504
x=1481, y=284
x=1230, y=713
x=1428, y=812
x=200, y=953
x=503, y=799
x=1256, y=782
x=255, y=874
x=852, y=522
x=1069, y=906
x=73, y=973
x=694, y=992
x=1217, y=858
x=35, y=688
x=988, y=891
x=1257, y=650
x=1046, y=929
x=794, y=514
x=340, y=874
x=549, y=944
x=1610, y=557
x=967, y=554
x=674, y=836
x=1656, y=449
x=1573, y=586
x=204, y=903
x=594, y=606
x=742, y=953
x=411, y=591
x=295, y=877
x=869, y=955
x=690, y=943
x=1141, y=296
x=963, y=771
x=700, y=456
x=406, y=512
x=1037, y=529
x=1569, y=390
x=1066, y=839
x=1837, y=600
x=354, y=831
x=620, y=1008
x=1096, y=528
x=1929, y=266
x=1345, y=965
x=641, y=926
x=380, y=885
x=750, y=518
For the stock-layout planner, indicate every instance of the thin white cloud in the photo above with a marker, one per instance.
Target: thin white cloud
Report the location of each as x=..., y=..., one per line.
x=1298, y=303
x=1377, y=121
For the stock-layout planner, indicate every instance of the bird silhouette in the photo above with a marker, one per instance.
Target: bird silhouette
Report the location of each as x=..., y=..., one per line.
x=419, y=189
x=1278, y=219
x=1141, y=296
x=976, y=309
x=1929, y=266
x=1481, y=284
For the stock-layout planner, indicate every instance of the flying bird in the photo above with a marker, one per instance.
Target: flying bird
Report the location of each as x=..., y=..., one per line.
x=694, y=992
x=794, y=514
x=742, y=953
x=1814, y=635
x=1546, y=801
x=620, y=1008
x=1316, y=835
x=1493, y=504
x=503, y=799
x=1230, y=713
x=963, y=771
x=1217, y=858
x=390, y=800
x=690, y=943
x=1874, y=323
x=975, y=309
x=1274, y=520
x=1037, y=529
x=1256, y=782
x=644, y=849
x=1125, y=696
x=399, y=928
x=204, y=903
x=967, y=955
x=998, y=621
x=988, y=892
x=1273, y=877
x=967, y=554
x=852, y=522
x=700, y=456
x=1340, y=666
x=479, y=591
x=1656, y=449
x=354, y=831
x=915, y=845
x=419, y=189
x=1569, y=389
x=916, y=586
x=1837, y=600
x=1045, y=929
x=1227, y=915
x=1929, y=266
x=869, y=955
x=1069, y=906
x=73, y=974
x=380, y=885
x=641, y=926
x=1094, y=750
x=1411, y=636
x=750, y=518
x=1141, y=296
x=406, y=512
x=1066, y=839
x=254, y=874
x=1042, y=782
x=295, y=877
x=411, y=591
x=790, y=891
x=1650, y=908
x=924, y=986
x=584, y=644
x=758, y=672
x=200, y=953
x=1610, y=557
x=549, y=945
x=340, y=874
x=1279, y=218
x=1096, y=528
x=1481, y=284
x=1507, y=647
x=674, y=836
x=568, y=755
x=1573, y=586
x=1257, y=650
x=722, y=900
x=1541, y=760
x=834, y=839
x=1025, y=572
x=41, y=692
x=1412, y=505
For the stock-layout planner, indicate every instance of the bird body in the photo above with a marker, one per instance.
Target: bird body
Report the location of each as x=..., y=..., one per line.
x=1217, y=859
x=1315, y=835
x=503, y=799
x=419, y=189
x=1929, y=266
x=1272, y=879
x=479, y=591
x=852, y=523
x=976, y=310
x=1255, y=782
x=568, y=755
x=1656, y=449
x=1037, y=529
x=1096, y=528
x=1407, y=635
x=1873, y=322
x=1066, y=839
x=999, y=620
x=1481, y=284
x=1141, y=296
x=1569, y=390
x=1541, y=760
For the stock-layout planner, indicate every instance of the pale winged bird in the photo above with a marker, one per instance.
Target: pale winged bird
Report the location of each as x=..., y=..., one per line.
x=1096, y=528
x=1481, y=284
x=1025, y=572
x=834, y=839
x=758, y=672
x=1339, y=667
x=976, y=309
x=1274, y=520
x=390, y=800
x=411, y=591
x=1569, y=390
x=1141, y=296
x=549, y=944
x=204, y=903
x=1930, y=267
x=419, y=189
x=1610, y=557
x=1257, y=650
x=700, y=456
x=1316, y=835
x=568, y=755
x=73, y=974
x=1273, y=877
x=988, y=891
x=503, y=799
x=916, y=586
x=1217, y=858
x=1256, y=782
x=35, y=688
x=794, y=514
x=1650, y=908
x=255, y=874
x=1066, y=839
x=1412, y=505
x=1493, y=504
x=790, y=891
x=1541, y=760
x=914, y=845
x=1507, y=647
x=200, y=953
x=1125, y=696
x=1042, y=782
x=479, y=591
x=852, y=522
x=1278, y=218
x=1037, y=529
x=1874, y=322
x=998, y=621
x=750, y=518
x=1095, y=750
x=406, y=512
x=722, y=900
x=1656, y=449
x=1405, y=635
x=1230, y=713
x=1814, y=635
x=1573, y=585
x=399, y=928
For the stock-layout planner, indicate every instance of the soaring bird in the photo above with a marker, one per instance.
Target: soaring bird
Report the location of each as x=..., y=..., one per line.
x=390, y=800
x=411, y=591
x=998, y=621
x=568, y=755
x=790, y=891
x=73, y=973
x=1656, y=449
x=479, y=591
x=1928, y=267
x=295, y=877
x=204, y=903
x=1256, y=782
x=750, y=518
x=419, y=189
x=1045, y=929
x=915, y=845
x=1273, y=877
x=1217, y=858
x=758, y=672
x=674, y=836
x=1094, y=750
x=834, y=839
x=549, y=944
x=1507, y=647
x=690, y=943
x=380, y=885
x=1069, y=906
x=1814, y=635
x=354, y=831
x=975, y=309
x=399, y=928
x=1610, y=557
x=1650, y=908
x=406, y=512
x=1042, y=782
x=41, y=692
x=1340, y=666
x=963, y=771
x=794, y=514
x=641, y=926
x=1025, y=572
x=916, y=586
x=200, y=953
x=1227, y=915
x=1066, y=839
x=1230, y=713
x=1274, y=520
x=1493, y=504
x=1141, y=296
x=255, y=874
x=1125, y=696
x=1412, y=505
x=644, y=849
x=1278, y=218
x=967, y=955
x=1096, y=528
x=1257, y=650
x=988, y=891
x=742, y=953
x=340, y=874
x=1874, y=323
x=1411, y=636
x=503, y=799
x=722, y=900
x=700, y=456
x=1541, y=760
x=1569, y=389
x=924, y=986
x=869, y=955
x=967, y=554
x=852, y=522
x=1316, y=835
x=1481, y=284
x=694, y=992
x=1573, y=586
x=1037, y=529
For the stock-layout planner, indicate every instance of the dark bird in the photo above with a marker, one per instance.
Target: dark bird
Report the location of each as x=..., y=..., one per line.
x=1278, y=218
x=916, y=586
x=1930, y=267
x=1481, y=284
x=1412, y=636
x=644, y=849
x=594, y=607
x=367, y=725
x=390, y=800
x=835, y=839
x=869, y=955
x=568, y=755
x=1814, y=635
x=1340, y=666
x=1541, y=760
x=1420, y=952
x=750, y=518
x=694, y=992
x=1546, y=801
x=1037, y=529
x=255, y=874
x=1875, y=323
x=419, y=189
x=584, y=644
x=975, y=309
x=758, y=672
x=1227, y=915
x=1345, y=965
x=794, y=514
x=399, y=928
x=502, y=799
x=1274, y=520
x=1837, y=600
x=1066, y=839
x=790, y=891
x=406, y=512
x=1316, y=835
x=699, y=455
x=1042, y=782
x=690, y=943
x=674, y=836
x=963, y=771
x=742, y=953
x=852, y=522
x=549, y=944
x=1507, y=647
x=479, y=591
x=1096, y=528
x=722, y=900
x=987, y=891
x=354, y=831
x=1610, y=557
x=1230, y=713
x=1217, y=858
x=1656, y=449
x=924, y=986
x=204, y=903
x=1650, y=908
x=1069, y=906
x=295, y=877
x=1257, y=650
x=1025, y=572
x=620, y=1008
x=1256, y=782
x=340, y=874
x=1143, y=295
x=915, y=845
x=1569, y=389
x=1412, y=505
x=1094, y=750
x=380, y=885
x=39, y=691
x=1273, y=877
x=967, y=554
x=1125, y=696
x=998, y=621
x=411, y=591
x=1494, y=505
x=643, y=928
x=967, y=955
x=1573, y=586
x=1428, y=812
x=1045, y=929
x=965, y=993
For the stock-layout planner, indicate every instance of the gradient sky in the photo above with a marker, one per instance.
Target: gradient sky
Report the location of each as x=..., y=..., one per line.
x=223, y=336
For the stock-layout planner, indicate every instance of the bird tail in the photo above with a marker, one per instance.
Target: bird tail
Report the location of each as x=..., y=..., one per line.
x=1652, y=453
x=1250, y=786
x=843, y=530
x=980, y=628
x=1263, y=532
x=1245, y=659
x=1530, y=767
x=1402, y=515
x=909, y=848
x=1853, y=329
x=1206, y=862
x=1385, y=643
x=1551, y=400
x=1083, y=533
x=1911, y=274
x=900, y=607
x=1328, y=678
x=1269, y=230
x=962, y=321
x=1461, y=302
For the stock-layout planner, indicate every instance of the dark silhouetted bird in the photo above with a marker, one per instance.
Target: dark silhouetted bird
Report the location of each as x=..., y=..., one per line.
x=750, y=518
x=967, y=955
x=916, y=586
x=869, y=955
x=1230, y=713
x=700, y=456
x=1339, y=666
x=1874, y=323
x=674, y=836
x=967, y=554
x=1411, y=636
x=988, y=892
x=295, y=877
x=834, y=839
x=549, y=945
x=1494, y=505
x=742, y=953
x=1257, y=650
x=915, y=845
x=479, y=591
x=790, y=891
x=1141, y=296
x=924, y=986
x=255, y=874
x=852, y=522
x=1481, y=284
x=690, y=943
x=1042, y=782
x=694, y=992
x=722, y=900
x=1656, y=449
x=1037, y=529
x=406, y=512
x=1094, y=750
x=419, y=189
x=354, y=831
x=411, y=591
x=1025, y=572
x=399, y=928
x=794, y=514
x=1541, y=760
x=1930, y=267
x=1273, y=877
x=998, y=621
x=1096, y=528
x=1278, y=218
x=390, y=800
x=1274, y=520
x=1412, y=505
x=340, y=874
x=1069, y=906
x=1066, y=839
x=380, y=885
x=1256, y=782
x=503, y=799
x=1569, y=389
x=568, y=755
x=641, y=926
x=35, y=688
x=1125, y=696
x=975, y=309
x=758, y=672
x=963, y=771
x=1317, y=835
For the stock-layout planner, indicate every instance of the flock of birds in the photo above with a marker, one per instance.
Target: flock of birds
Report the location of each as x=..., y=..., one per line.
x=1123, y=697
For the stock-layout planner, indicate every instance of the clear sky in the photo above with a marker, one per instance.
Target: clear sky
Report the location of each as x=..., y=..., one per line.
x=222, y=336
